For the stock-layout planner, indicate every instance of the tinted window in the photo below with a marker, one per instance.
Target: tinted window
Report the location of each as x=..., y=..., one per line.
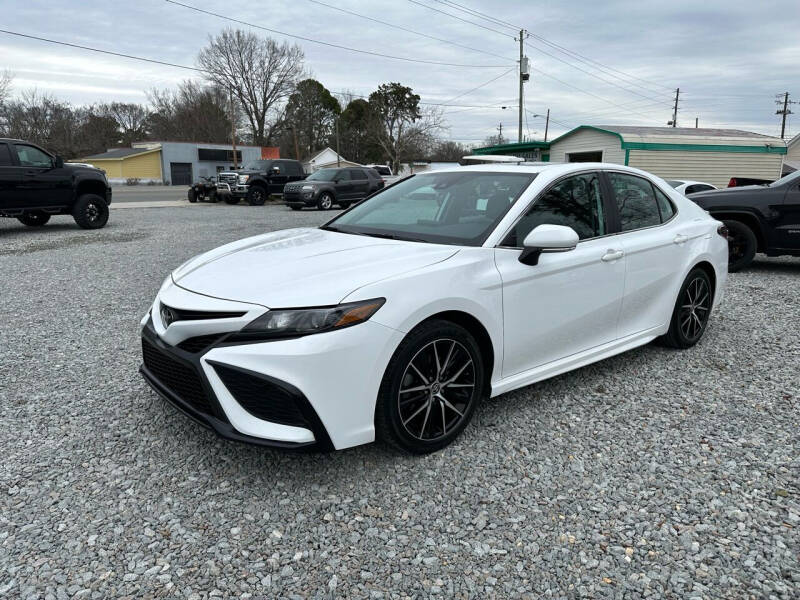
x=357, y=174
x=698, y=187
x=342, y=175
x=665, y=206
x=382, y=170
x=575, y=202
x=451, y=207
x=294, y=168
x=32, y=157
x=5, y=156
x=636, y=201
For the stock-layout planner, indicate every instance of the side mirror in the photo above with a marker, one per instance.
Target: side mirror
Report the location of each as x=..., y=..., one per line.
x=547, y=238
x=58, y=163
x=275, y=170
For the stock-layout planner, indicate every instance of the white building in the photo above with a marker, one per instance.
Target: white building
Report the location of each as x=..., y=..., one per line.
x=792, y=161
x=325, y=159
x=710, y=155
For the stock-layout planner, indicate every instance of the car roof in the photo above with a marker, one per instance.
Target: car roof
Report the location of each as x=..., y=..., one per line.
x=554, y=169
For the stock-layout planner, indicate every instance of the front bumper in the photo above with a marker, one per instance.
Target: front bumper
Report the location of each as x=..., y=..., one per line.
x=300, y=198
x=317, y=391
x=225, y=189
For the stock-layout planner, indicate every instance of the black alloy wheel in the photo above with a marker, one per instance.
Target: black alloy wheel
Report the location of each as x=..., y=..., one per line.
x=90, y=212
x=430, y=389
x=742, y=245
x=34, y=218
x=256, y=195
x=692, y=310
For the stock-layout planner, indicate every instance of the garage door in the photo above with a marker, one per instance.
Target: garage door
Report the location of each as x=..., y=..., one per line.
x=180, y=173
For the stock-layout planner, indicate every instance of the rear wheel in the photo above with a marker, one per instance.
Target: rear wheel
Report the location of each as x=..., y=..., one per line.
x=692, y=309
x=430, y=389
x=325, y=201
x=256, y=195
x=90, y=212
x=742, y=245
x=34, y=218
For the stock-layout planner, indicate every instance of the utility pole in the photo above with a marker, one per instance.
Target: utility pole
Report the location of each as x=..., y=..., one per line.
x=500, y=137
x=296, y=149
x=523, y=77
x=233, y=132
x=546, y=124
x=696, y=122
x=785, y=111
x=338, y=156
x=674, y=121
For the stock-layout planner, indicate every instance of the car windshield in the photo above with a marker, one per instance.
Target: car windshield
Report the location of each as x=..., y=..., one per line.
x=323, y=175
x=258, y=165
x=791, y=177
x=674, y=183
x=455, y=207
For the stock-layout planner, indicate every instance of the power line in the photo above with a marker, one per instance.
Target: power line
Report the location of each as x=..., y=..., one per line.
x=329, y=44
x=482, y=85
x=479, y=14
x=150, y=60
x=460, y=19
x=401, y=28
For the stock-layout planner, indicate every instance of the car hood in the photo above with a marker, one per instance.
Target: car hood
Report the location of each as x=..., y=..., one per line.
x=727, y=191
x=302, y=267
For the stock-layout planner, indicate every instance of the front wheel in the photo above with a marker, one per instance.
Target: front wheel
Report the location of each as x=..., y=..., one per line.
x=35, y=218
x=192, y=195
x=325, y=201
x=90, y=212
x=430, y=388
x=742, y=245
x=256, y=195
x=691, y=312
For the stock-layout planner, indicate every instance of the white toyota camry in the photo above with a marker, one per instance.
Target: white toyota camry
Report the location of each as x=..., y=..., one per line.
x=395, y=318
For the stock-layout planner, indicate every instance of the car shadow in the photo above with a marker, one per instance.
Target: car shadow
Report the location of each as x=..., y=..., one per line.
x=774, y=266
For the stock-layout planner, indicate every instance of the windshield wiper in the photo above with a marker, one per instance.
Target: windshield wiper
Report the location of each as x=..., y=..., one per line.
x=391, y=236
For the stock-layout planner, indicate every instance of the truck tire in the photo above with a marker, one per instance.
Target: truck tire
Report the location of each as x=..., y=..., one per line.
x=742, y=245
x=34, y=218
x=256, y=195
x=90, y=212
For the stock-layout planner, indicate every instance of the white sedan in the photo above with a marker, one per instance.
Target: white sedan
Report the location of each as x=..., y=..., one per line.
x=394, y=319
x=687, y=186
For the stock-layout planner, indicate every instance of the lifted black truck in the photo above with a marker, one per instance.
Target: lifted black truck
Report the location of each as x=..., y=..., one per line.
x=760, y=218
x=258, y=180
x=35, y=184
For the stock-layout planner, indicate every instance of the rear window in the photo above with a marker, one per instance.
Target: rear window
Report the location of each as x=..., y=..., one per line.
x=636, y=201
x=382, y=170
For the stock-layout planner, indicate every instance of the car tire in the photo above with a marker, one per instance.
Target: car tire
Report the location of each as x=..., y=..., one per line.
x=413, y=414
x=90, y=212
x=34, y=218
x=345, y=205
x=231, y=200
x=742, y=245
x=192, y=195
x=692, y=310
x=256, y=195
x=325, y=201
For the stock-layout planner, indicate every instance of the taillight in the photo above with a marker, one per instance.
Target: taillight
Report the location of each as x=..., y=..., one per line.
x=723, y=231
x=732, y=182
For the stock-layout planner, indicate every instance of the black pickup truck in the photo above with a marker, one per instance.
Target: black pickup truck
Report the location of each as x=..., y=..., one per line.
x=258, y=180
x=760, y=218
x=35, y=184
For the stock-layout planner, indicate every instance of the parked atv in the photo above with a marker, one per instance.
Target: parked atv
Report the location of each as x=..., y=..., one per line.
x=204, y=190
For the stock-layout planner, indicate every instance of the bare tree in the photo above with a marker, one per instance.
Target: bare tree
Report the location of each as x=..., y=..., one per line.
x=261, y=73
x=192, y=113
x=131, y=119
x=5, y=85
x=43, y=120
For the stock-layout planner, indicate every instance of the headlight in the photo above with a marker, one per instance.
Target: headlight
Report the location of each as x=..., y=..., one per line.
x=243, y=178
x=296, y=322
x=307, y=188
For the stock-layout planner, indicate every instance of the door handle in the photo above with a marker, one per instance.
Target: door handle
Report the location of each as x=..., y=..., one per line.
x=612, y=255
x=680, y=239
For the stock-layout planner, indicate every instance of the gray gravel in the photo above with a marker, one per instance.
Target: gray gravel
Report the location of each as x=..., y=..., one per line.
x=656, y=474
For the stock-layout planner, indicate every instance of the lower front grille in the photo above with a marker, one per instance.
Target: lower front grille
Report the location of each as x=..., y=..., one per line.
x=200, y=342
x=180, y=379
x=262, y=398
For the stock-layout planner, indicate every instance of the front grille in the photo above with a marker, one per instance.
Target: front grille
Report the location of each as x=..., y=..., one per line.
x=180, y=379
x=262, y=398
x=231, y=179
x=200, y=342
x=182, y=314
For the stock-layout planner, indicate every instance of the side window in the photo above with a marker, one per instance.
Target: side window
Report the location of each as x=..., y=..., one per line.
x=665, y=206
x=636, y=201
x=294, y=168
x=5, y=156
x=575, y=202
x=32, y=157
x=357, y=174
x=343, y=175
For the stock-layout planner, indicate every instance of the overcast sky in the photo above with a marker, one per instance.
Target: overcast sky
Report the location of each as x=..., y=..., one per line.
x=730, y=58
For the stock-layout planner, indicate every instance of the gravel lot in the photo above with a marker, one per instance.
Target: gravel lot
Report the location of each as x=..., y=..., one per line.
x=656, y=474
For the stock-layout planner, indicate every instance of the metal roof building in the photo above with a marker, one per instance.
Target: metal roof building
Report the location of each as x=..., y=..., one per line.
x=710, y=155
